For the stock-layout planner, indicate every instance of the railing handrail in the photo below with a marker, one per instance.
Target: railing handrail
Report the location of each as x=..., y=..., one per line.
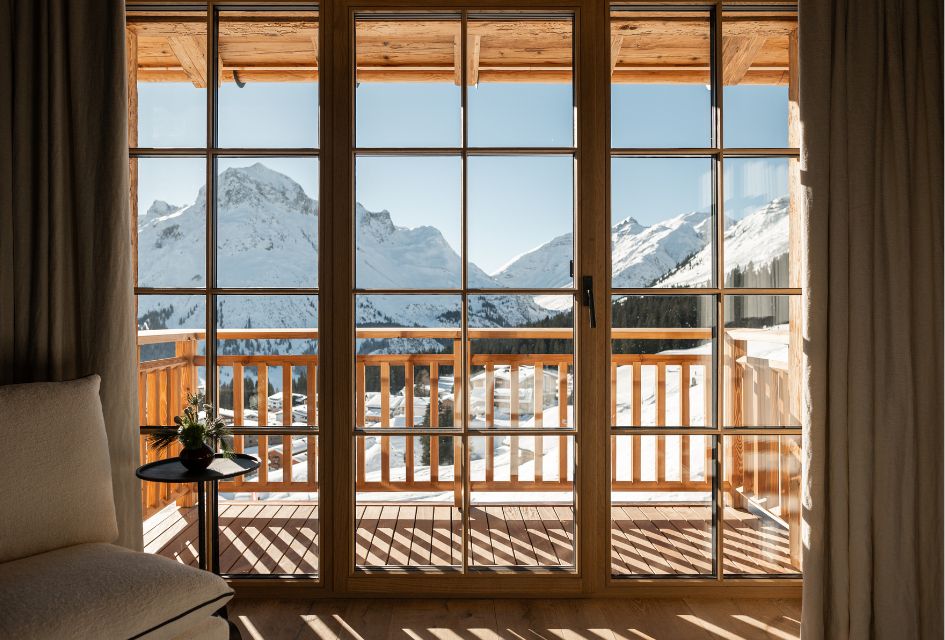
x=157, y=336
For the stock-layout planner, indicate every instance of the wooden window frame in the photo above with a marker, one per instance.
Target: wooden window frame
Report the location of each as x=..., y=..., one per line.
x=336, y=286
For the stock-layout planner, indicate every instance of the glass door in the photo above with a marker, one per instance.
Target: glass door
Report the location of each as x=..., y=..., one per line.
x=464, y=171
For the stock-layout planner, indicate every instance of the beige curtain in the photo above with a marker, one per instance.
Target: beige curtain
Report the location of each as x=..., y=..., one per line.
x=871, y=99
x=66, y=305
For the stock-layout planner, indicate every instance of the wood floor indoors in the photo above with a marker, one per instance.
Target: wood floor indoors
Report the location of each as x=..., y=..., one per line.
x=597, y=619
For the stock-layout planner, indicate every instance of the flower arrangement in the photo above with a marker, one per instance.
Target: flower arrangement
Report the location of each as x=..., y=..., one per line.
x=199, y=430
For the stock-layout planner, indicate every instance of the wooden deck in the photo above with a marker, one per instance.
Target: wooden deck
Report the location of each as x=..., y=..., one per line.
x=282, y=538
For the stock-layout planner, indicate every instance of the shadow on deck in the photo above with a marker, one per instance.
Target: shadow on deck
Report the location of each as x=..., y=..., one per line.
x=283, y=538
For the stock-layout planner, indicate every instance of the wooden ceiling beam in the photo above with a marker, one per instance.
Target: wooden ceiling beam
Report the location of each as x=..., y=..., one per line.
x=738, y=52
x=475, y=48
x=457, y=61
x=191, y=52
x=616, y=44
x=622, y=75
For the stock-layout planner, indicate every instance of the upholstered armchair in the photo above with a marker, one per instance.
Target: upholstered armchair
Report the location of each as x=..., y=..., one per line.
x=61, y=576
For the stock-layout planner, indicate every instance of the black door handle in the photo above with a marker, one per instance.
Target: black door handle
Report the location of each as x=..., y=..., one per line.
x=587, y=283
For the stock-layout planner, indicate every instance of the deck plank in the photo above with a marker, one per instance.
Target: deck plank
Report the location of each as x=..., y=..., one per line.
x=282, y=538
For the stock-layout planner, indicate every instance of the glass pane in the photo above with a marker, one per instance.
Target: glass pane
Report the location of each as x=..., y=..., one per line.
x=408, y=501
x=167, y=59
x=762, y=515
x=171, y=357
x=267, y=222
x=269, y=76
x=520, y=82
x=408, y=222
x=662, y=361
x=660, y=84
x=758, y=229
x=661, y=505
x=172, y=221
x=267, y=359
x=278, y=528
x=521, y=501
x=520, y=221
x=408, y=82
x=407, y=347
x=663, y=223
x=521, y=361
x=759, y=71
x=762, y=361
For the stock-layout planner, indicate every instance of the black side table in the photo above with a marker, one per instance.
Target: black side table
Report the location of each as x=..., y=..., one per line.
x=172, y=471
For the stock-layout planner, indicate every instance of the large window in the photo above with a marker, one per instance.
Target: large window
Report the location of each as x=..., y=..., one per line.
x=226, y=237
x=544, y=332
x=705, y=448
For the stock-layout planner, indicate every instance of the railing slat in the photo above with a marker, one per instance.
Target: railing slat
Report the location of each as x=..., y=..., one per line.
x=490, y=422
x=563, y=421
x=311, y=405
x=459, y=382
x=538, y=411
x=434, y=420
x=661, y=421
x=287, y=422
x=514, y=461
x=311, y=390
x=408, y=421
x=636, y=404
x=685, y=473
x=262, y=419
x=385, y=422
x=359, y=419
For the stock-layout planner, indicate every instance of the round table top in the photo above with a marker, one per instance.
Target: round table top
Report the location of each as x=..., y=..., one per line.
x=171, y=470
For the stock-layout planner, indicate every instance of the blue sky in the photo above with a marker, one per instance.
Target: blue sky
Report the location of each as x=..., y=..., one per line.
x=528, y=200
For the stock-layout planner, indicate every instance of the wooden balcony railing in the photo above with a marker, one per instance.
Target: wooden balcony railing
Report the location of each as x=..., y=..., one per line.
x=507, y=391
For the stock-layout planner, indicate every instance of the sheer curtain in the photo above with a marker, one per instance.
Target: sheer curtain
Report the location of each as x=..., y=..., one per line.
x=871, y=98
x=66, y=304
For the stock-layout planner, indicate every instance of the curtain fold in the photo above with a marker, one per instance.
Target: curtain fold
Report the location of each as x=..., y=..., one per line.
x=871, y=100
x=66, y=303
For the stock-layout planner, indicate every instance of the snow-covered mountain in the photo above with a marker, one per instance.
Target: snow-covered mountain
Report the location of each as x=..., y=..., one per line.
x=641, y=254
x=756, y=250
x=267, y=236
x=672, y=253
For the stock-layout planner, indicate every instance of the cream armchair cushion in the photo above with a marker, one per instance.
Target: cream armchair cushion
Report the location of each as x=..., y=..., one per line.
x=101, y=591
x=55, y=473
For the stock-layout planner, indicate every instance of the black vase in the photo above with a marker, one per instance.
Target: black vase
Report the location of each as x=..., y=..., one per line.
x=196, y=459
